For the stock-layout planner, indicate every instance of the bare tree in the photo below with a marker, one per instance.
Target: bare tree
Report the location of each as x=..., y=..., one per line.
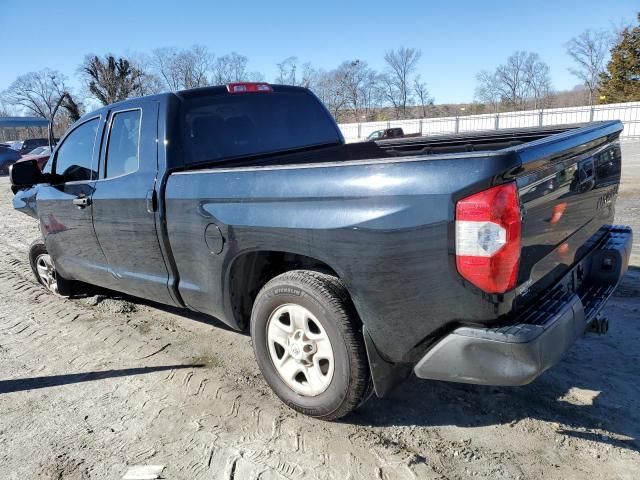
x=309, y=75
x=523, y=78
x=359, y=85
x=150, y=83
x=164, y=63
x=401, y=64
x=195, y=65
x=182, y=69
x=326, y=86
x=290, y=72
x=390, y=94
x=287, y=71
x=421, y=91
x=372, y=95
x=538, y=80
x=4, y=110
x=512, y=80
x=233, y=68
x=111, y=80
x=589, y=51
x=488, y=89
x=37, y=92
x=150, y=80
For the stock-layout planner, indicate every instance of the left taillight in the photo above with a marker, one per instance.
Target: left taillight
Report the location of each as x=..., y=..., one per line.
x=488, y=238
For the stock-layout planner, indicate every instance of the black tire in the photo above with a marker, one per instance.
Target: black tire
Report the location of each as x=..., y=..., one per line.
x=65, y=288
x=327, y=299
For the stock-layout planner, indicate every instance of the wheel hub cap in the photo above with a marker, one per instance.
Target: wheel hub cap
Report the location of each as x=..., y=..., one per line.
x=300, y=349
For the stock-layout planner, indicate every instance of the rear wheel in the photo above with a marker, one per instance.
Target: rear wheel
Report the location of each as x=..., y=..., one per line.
x=308, y=344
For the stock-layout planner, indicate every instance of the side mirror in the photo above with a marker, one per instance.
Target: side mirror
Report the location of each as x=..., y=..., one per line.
x=25, y=174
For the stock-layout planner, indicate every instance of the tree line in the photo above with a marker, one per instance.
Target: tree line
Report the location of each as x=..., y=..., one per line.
x=353, y=91
x=523, y=81
x=608, y=67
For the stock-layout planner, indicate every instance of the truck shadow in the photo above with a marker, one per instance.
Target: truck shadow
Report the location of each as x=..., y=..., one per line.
x=593, y=393
x=431, y=404
x=92, y=291
x=34, y=383
x=190, y=314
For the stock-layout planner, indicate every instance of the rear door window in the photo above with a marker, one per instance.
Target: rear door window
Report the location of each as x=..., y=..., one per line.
x=123, y=147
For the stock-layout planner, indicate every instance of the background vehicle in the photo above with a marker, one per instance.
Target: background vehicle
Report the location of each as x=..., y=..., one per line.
x=8, y=157
x=31, y=143
x=15, y=145
x=390, y=133
x=39, y=154
x=351, y=264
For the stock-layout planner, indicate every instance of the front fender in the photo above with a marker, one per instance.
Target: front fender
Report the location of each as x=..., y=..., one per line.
x=25, y=201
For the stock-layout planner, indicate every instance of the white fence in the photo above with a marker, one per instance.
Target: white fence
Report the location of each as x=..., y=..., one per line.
x=628, y=113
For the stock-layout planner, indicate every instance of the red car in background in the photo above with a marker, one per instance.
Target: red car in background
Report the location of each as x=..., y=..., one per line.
x=40, y=154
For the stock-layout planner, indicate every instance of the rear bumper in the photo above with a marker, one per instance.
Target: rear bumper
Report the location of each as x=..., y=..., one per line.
x=518, y=352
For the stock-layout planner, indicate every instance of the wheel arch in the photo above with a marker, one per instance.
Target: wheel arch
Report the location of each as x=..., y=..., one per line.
x=251, y=270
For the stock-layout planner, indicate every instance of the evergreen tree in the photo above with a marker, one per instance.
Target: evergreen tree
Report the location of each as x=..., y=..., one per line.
x=621, y=81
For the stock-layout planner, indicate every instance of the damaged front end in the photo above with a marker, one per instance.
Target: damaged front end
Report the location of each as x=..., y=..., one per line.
x=25, y=201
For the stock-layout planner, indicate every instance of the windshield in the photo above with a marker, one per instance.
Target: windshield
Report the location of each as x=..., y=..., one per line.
x=230, y=126
x=37, y=151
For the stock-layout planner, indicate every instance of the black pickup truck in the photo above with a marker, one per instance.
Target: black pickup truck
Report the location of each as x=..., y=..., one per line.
x=474, y=258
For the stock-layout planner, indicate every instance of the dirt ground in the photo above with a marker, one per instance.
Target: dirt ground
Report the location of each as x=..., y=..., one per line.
x=90, y=387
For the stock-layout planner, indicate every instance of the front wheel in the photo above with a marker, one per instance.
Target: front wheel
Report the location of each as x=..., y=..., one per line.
x=308, y=344
x=45, y=271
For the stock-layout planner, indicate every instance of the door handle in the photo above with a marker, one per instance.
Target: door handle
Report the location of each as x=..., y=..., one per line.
x=82, y=202
x=152, y=201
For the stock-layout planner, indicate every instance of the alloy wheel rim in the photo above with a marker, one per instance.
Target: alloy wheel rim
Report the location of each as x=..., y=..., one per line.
x=300, y=350
x=47, y=272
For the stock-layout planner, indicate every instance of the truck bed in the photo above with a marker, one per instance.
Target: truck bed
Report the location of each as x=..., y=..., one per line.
x=472, y=141
x=468, y=142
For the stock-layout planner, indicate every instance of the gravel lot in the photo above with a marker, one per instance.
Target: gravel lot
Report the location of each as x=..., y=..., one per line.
x=90, y=387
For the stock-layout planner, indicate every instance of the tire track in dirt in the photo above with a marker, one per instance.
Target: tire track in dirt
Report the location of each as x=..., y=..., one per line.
x=235, y=420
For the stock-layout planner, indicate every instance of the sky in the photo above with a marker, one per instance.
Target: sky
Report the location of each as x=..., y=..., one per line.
x=457, y=38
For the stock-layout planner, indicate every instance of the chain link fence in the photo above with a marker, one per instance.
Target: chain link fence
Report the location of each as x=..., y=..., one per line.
x=628, y=113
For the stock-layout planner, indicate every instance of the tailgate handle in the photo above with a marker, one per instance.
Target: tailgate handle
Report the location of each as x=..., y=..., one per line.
x=586, y=175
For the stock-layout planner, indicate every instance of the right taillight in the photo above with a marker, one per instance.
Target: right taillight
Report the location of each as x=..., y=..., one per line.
x=488, y=234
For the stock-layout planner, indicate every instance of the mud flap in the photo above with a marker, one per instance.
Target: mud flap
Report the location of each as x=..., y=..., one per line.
x=385, y=375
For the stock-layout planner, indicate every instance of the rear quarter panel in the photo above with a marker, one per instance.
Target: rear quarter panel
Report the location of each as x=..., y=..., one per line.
x=385, y=228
